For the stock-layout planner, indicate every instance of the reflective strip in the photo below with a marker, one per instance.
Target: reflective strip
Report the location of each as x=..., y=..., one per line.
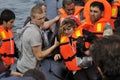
x=99, y=27
x=62, y=39
x=3, y=35
x=78, y=33
x=113, y=11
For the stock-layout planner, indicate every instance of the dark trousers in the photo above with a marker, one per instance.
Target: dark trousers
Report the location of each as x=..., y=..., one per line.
x=90, y=73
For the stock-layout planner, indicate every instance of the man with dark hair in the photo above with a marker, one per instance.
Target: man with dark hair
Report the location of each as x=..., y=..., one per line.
x=97, y=16
x=70, y=9
x=7, y=49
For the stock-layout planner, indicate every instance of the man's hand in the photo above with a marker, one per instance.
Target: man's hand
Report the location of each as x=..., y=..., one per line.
x=57, y=18
x=56, y=42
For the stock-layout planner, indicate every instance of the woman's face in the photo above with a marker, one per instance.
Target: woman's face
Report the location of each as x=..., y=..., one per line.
x=68, y=30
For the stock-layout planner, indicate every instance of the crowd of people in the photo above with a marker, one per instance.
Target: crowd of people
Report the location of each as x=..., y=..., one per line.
x=81, y=43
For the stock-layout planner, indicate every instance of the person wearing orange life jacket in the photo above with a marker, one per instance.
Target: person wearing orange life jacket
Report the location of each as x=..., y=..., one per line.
x=69, y=9
x=115, y=6
x=7, y=18
x=70, y=32
x=97, y=15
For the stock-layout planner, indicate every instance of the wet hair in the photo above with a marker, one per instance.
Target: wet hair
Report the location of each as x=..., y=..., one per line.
x=6, y=15
x=36, y=74
x=106, y=54
x=67, y=2
x=97, y=4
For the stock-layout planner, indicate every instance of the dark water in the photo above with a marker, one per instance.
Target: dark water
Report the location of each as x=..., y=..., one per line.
x=21, y=9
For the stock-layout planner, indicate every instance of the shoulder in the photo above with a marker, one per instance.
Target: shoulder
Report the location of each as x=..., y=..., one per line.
x=32, y=29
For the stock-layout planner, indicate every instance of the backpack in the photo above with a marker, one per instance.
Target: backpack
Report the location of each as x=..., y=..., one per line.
x=20, y=34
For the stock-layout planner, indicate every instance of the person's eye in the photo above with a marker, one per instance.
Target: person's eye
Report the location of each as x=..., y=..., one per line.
x=69, y=29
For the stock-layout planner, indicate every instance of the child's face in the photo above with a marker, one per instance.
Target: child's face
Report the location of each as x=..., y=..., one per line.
x=68, y=31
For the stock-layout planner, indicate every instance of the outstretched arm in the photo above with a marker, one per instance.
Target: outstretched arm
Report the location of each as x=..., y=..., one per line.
x=48, y=24
x=39, y=54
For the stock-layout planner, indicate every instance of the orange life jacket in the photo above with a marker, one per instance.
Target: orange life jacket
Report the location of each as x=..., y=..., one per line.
x=68, y=51
x=98, y=27
x=115, y=10
x=107, y=10
x=114, y=7
x=64, y=14
x=87, y=44
x=7, y=46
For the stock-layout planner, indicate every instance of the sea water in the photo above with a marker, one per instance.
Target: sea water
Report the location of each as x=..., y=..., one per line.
x=21, y=8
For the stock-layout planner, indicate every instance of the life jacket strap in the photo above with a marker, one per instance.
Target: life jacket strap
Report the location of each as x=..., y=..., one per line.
x=7, y=40
x=70, y=58
x=7, y=55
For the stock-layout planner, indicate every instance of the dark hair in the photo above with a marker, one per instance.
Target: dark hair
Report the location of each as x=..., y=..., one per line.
x=67, y=2
x=106, y=54
x=109, y=1
x=6, y=15
x=117, y=22
x=117, y=26
x=36, y=74
x=97, y=4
